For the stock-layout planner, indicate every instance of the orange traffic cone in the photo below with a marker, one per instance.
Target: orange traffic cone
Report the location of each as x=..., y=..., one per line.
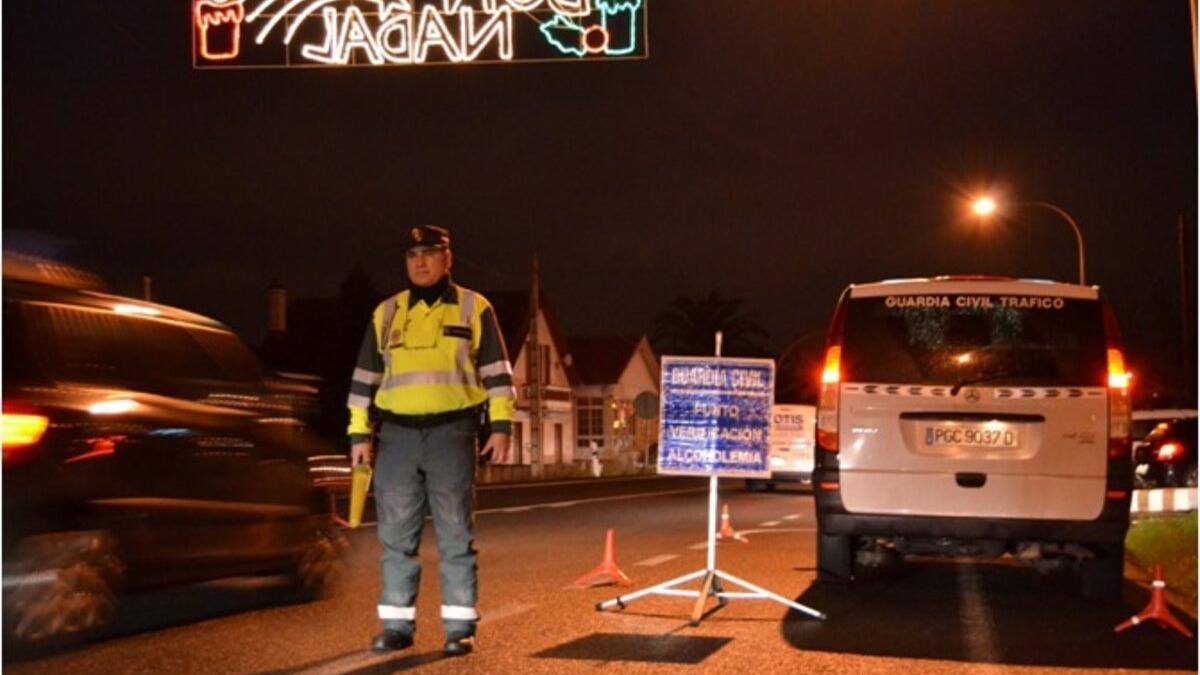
x=607, y=566
x=1157, y=609
x=726, y=531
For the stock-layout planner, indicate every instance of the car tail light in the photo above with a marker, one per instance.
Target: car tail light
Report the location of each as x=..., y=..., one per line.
x=1169, y=451
x=1119, y=408
x=22, y=430
x=831, y=379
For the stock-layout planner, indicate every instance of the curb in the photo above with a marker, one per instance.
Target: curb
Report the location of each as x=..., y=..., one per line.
x=1163, y=500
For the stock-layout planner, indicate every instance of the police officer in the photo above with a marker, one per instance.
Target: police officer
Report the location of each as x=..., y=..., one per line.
x=431, y=361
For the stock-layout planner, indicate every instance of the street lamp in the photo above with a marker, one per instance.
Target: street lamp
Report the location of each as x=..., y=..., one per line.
x=986, y=206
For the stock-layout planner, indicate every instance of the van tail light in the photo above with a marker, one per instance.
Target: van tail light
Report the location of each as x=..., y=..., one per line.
x=22, y=430
x=1169, y=451
x=1119, y=409
x=827, y=410
x=1119, y=405
x=1118, y=376
x=831, y=379
x=832, y=373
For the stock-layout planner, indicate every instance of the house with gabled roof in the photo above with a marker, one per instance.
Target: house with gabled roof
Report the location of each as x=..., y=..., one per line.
x=611, y=372
x=556, y=376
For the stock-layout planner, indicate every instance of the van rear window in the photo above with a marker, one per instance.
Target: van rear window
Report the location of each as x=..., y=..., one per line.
x=974, y=339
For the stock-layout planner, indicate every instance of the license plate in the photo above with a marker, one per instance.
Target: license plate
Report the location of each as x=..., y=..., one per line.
x=959, y=435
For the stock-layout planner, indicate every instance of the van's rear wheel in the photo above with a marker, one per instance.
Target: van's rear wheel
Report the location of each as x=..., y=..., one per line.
x=1103, y=577
x=835, y=558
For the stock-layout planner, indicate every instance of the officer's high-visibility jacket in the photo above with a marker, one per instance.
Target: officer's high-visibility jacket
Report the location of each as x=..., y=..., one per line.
x=422, y=360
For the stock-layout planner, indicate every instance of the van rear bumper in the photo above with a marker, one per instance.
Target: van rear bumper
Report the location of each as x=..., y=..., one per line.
x=1110, y=527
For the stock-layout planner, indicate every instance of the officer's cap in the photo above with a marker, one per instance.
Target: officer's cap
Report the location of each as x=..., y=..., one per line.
x=426, y=236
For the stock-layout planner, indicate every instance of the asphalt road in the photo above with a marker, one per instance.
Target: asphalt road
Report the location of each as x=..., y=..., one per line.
x=534, y=541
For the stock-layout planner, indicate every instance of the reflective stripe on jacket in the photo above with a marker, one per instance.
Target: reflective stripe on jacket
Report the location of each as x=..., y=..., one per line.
x=422, y=360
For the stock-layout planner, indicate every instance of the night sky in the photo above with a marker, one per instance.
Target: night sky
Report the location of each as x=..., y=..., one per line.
x=772, y=150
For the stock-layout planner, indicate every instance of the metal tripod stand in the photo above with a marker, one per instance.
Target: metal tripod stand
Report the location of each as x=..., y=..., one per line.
x=712, y=577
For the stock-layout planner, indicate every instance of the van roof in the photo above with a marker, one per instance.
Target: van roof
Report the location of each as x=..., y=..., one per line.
x=974, y=284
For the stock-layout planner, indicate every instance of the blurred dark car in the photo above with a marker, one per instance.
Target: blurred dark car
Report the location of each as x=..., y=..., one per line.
x=1147, y=420
x=146, y=446
x=1167, y=456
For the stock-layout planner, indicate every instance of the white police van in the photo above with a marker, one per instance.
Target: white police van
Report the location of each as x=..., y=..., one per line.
x=969, y=416
x=792, y=441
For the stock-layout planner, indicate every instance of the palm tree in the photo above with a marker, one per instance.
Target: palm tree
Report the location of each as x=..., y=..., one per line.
x=687, y=326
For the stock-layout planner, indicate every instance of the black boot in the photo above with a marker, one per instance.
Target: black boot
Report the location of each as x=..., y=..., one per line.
x=391, y=641
x=460, y=646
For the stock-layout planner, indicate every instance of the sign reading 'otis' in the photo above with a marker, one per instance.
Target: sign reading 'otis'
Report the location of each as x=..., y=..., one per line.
x=299, y=33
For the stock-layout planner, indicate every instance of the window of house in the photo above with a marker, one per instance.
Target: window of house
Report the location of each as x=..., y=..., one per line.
x=589, y=424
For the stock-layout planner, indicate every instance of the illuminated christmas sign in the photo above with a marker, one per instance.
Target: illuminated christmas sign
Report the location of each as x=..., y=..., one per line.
x=299, y=33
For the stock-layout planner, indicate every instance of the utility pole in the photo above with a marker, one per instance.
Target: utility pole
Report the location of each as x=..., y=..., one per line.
x=1185, y=322
x=534, y=376
x=1195, y=51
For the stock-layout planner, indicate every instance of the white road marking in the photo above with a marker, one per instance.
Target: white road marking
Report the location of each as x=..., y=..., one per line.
x=504, y=612
x=574, y=502
x=979, y=631
x=704, y=544
x=657, y=560
x=514, y=486
x=769, y=523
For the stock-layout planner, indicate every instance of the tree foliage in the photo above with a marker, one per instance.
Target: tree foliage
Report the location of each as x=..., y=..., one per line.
x=687, y=326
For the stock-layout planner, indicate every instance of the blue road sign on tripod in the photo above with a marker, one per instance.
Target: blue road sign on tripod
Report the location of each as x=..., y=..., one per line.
x=716, y=416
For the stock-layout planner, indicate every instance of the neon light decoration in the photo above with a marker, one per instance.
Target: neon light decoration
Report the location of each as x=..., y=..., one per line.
x=220, y=26
x=292, y=33
x=580, y=38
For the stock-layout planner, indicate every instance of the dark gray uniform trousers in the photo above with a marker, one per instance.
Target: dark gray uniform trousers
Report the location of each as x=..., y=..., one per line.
x=415, y=467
